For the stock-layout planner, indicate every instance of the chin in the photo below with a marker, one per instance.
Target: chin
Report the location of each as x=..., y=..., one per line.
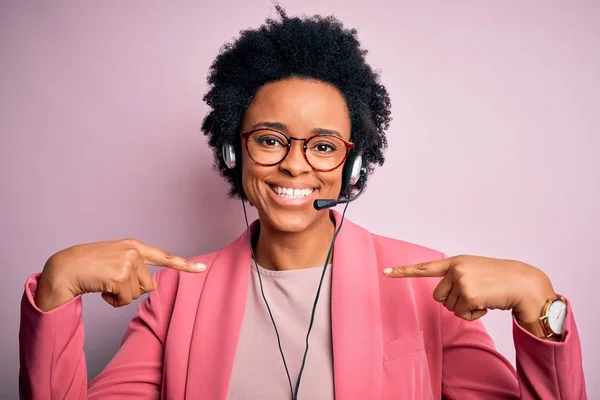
x=290, y=221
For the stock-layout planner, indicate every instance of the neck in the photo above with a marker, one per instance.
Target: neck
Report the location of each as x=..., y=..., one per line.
x=278, y=250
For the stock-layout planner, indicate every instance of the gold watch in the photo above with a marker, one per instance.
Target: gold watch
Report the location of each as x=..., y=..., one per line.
x=553, y=317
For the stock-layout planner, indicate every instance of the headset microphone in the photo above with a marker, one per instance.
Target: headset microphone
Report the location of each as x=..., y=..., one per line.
x=322, y=204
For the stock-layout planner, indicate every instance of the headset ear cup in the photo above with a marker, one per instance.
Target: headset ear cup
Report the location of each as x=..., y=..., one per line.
x=346, y=175
x=228, y=153
x=352, y=172
x=355, y=171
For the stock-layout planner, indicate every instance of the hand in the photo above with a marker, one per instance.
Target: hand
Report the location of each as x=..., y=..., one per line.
x=471, y=285
x=117, y=269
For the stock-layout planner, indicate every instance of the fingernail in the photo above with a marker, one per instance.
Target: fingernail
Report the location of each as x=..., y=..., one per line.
x=387, y=271
x=199, y=267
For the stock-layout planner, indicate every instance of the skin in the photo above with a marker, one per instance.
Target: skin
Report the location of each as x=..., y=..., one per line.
x=117, y=269
x=293, y=237
x=471, y=285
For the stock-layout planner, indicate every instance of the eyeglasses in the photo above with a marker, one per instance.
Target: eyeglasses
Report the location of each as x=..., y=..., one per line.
x=323, y=152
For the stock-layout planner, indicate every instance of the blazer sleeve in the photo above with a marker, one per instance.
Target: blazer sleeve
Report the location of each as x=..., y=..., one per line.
x=53, y=362
x=472, y=368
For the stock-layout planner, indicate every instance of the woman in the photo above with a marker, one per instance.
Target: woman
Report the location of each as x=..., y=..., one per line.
x=301, y=304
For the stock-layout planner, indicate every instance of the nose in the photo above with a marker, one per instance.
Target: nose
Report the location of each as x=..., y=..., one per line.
x=295, y=163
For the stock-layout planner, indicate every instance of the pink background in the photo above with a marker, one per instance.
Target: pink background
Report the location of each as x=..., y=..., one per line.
x=493, y=147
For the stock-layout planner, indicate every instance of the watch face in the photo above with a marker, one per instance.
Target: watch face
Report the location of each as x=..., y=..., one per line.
x=557, y=312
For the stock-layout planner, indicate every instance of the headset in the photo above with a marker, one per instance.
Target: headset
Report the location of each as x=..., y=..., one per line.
x=353, y=173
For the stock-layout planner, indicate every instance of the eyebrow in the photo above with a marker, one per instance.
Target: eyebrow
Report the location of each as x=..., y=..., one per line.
x=280, y=126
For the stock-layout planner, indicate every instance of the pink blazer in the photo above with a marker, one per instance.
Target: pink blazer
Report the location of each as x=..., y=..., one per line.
x=391, y=340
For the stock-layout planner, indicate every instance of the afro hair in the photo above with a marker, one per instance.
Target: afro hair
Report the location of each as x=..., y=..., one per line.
x=317, y=48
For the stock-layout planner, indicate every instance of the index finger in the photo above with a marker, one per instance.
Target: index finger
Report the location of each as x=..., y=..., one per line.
x=437, y=268
x=155, y=256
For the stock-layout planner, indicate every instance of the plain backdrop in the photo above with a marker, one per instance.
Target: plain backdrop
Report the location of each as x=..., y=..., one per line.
x=493, y=149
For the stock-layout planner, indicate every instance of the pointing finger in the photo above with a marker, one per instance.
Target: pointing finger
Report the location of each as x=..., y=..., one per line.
x=154, y=256
x=437, y=268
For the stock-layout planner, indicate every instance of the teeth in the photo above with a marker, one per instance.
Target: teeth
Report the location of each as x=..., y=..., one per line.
x=290, y=193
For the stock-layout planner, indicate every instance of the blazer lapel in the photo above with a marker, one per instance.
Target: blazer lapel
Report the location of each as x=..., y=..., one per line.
x=218, y=321
x=355, y=318
x=356, y=315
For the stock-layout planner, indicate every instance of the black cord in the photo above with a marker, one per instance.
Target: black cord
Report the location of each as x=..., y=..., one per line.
x=312, y=317
x=294, y=393
x=287, y=372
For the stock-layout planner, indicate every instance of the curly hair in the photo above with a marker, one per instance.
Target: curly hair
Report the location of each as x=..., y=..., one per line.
x=317, y=48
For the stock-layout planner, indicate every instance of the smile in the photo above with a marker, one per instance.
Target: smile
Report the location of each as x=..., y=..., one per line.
x=289, y=193
x=292, y=197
